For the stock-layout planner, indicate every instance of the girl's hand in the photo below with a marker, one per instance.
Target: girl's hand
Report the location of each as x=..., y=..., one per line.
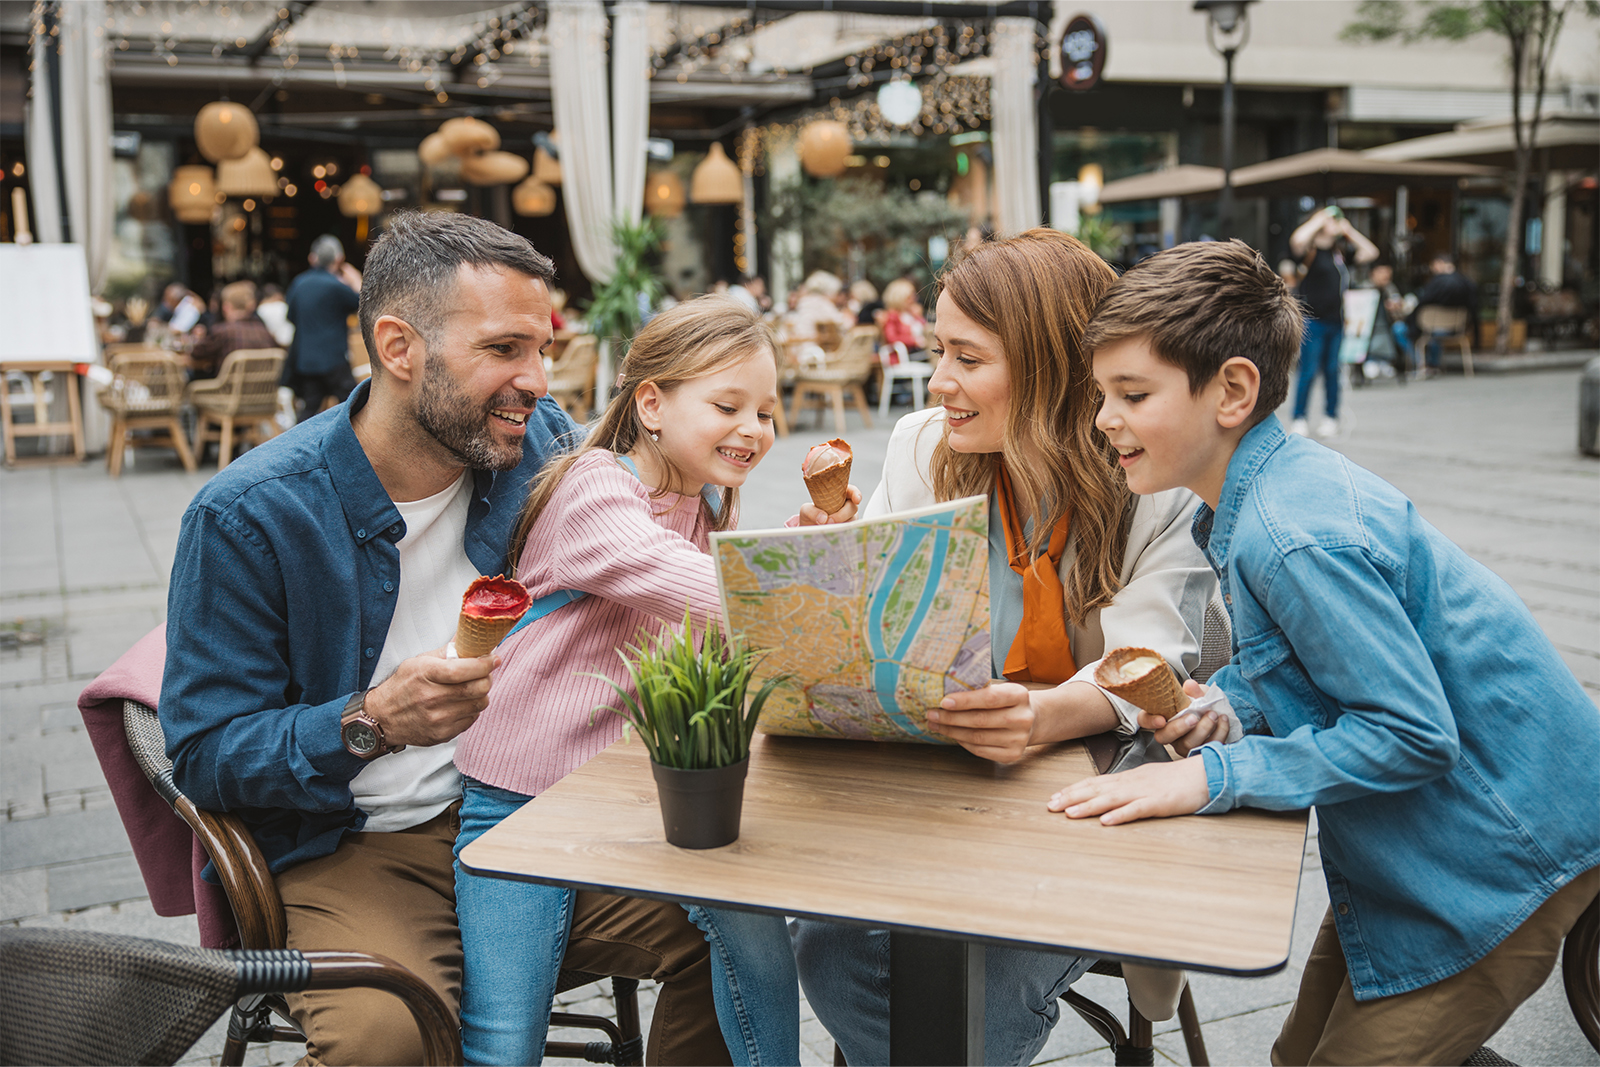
x=811, y=515
x=1148, y=792
x=1187, y=730
x=995, y=722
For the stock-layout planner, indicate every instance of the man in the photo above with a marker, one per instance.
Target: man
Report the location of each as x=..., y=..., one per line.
x=1450, y=289
x=321, y=299
x=315, y=585
x=239, y=329
x=1317, y=242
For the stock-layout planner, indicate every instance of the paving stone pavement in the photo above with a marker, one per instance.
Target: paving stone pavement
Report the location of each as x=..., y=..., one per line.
x=84, y=562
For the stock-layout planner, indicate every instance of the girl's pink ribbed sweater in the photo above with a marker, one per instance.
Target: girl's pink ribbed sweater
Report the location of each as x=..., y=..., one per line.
x=642, y=561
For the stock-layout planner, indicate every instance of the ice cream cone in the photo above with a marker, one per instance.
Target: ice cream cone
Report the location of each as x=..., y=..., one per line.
x=829, y=484
x=1156, y=690
x=491, y=606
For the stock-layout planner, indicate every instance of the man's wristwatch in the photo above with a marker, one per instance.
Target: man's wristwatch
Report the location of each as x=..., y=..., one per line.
x=361, y=733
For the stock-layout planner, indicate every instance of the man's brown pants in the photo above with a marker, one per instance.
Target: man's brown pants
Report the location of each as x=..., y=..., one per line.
x=1442, y=1023
x=394, y=894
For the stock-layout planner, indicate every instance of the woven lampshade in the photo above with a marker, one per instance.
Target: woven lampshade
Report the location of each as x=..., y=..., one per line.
x=249, y=175
x=360, y=195
x=663, y=194
x=468, y=134
x=434, y=149
x=225, y=130
x=716, y=180
x=192, y=194
x=533, y=198
x=823, y=148
x=493, y=168
x=545, y=166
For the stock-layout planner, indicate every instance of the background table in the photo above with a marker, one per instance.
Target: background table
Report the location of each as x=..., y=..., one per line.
x=930, y=840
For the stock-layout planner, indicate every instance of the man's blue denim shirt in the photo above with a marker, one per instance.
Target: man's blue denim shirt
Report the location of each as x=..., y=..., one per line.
x=281, y=595
x=1400, y=686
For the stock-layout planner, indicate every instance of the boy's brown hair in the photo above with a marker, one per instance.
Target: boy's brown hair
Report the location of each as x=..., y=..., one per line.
x=1202, y=303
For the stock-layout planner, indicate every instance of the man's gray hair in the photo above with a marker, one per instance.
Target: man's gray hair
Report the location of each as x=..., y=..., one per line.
x=326, y=251
x=411, y=270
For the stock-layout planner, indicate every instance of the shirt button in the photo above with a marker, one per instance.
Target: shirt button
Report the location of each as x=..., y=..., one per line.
x=1228, y=599
x=361, y=534
x=1344, y=909
x=388, y=587
x=395, y=528
x=369, y=654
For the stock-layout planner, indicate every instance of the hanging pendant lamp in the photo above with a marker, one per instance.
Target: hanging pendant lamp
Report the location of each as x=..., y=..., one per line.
x=717, y=180
x=225, y=130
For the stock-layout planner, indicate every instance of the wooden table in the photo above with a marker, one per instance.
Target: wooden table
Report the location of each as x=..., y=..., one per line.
x=929, y=840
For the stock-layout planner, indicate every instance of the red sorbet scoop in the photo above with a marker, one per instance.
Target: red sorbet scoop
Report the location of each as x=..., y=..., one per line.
x=491, y=607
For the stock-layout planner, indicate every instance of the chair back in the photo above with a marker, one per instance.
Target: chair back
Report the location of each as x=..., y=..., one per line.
x=860, y=341
x=898, y=348
x=247, y=384
x=145, y=382
x=579, y=360
x=1435, y=319
x=828, y=334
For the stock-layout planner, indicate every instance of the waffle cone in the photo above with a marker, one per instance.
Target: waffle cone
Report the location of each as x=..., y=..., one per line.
x=829, y=487
x=477, y=637
x=1157, y=691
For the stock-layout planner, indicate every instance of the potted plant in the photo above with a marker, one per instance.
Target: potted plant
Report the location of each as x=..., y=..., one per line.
x=687, y=701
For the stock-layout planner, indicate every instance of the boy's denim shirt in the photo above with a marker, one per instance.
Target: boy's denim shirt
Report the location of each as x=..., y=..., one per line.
x=1401, y=687
x=282, y=591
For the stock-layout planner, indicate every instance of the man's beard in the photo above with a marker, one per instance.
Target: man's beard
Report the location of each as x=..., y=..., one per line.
x=460, y=426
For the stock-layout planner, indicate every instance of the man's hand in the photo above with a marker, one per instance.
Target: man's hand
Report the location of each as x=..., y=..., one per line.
x=350, y=276
x=1147, y=792
x=1187, y=731
x=811, y=515
x=430, y=699
x=995, y=722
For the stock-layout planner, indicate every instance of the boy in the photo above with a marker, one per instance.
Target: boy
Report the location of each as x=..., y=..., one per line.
x=1380, y=674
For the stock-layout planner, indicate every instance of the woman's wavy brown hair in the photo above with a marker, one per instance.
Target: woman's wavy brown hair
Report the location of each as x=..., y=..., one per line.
x=1036, y=292
x=691, y=340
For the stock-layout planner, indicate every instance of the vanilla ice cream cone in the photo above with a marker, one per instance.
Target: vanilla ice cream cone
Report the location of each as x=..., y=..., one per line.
x=827, y=473
x=1142, y=678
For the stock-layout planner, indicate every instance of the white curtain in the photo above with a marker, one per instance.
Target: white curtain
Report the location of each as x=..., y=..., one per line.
x=597, y=188
x=1015, y=126
x=85, y=159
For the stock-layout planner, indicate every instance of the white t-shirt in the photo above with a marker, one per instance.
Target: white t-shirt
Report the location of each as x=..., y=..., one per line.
x=408, y=788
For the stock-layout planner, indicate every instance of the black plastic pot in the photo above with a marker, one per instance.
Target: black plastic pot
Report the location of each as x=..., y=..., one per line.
x=700, y=808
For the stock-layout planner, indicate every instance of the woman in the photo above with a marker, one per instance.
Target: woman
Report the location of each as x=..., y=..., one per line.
x=1077, y=567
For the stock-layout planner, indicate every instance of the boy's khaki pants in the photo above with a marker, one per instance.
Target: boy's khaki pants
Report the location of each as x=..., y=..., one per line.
x=1442, y=1023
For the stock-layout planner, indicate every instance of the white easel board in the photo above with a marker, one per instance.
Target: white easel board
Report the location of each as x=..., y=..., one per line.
x=44, y=303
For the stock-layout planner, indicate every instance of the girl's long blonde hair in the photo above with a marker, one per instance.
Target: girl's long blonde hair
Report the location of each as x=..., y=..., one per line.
x=1036, y=292
x=696, y=338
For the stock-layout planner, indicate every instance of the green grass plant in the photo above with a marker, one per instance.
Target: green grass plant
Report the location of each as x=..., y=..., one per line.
x=688, y=703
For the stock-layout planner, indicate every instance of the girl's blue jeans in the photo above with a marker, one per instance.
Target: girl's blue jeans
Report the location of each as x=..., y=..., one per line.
x=514, y=935
x=1319, y=351
x=845, y=971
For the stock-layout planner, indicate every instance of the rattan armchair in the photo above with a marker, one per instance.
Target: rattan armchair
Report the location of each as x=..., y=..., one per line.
x=241, y=400
x=571, y=377
x=146, y=393
x=843, y=375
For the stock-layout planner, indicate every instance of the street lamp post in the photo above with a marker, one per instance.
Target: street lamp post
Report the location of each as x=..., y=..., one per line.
x=1229, y=21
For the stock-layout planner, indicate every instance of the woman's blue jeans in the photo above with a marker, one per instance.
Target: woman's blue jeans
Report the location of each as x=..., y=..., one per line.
x=513, y=936
x=845, y=972
x=756, y=989
x=1319, y=351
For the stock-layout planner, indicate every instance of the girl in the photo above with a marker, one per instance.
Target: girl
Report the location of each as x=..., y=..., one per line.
x=624, y=523
x=1077, y=567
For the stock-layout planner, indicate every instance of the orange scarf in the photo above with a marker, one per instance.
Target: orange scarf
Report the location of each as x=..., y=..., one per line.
x=1042, y=651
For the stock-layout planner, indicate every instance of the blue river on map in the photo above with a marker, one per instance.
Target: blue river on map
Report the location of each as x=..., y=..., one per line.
x=886, y=662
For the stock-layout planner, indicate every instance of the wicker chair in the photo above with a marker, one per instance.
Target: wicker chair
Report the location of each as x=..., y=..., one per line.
x=259, y=915
x=73, y=996
x=146, y=394
x=845, y=373
x=1447, y=326
x=242, y=399
x=572, y=376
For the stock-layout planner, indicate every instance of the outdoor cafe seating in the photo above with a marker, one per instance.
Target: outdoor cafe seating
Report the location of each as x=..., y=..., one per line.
x=240, y=404
x=146, y=393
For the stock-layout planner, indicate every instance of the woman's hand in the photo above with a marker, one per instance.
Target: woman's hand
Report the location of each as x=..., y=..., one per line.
x=811, y=515
x=1147, y=792
x=995, y=722
x=1187, y=731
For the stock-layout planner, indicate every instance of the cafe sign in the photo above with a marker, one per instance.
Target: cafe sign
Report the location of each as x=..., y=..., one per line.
x=1083, y=52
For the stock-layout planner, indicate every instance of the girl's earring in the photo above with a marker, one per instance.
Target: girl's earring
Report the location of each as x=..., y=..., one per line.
x=654, y=436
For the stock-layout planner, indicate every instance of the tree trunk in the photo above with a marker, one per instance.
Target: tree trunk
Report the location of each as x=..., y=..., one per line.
x=1512, y=253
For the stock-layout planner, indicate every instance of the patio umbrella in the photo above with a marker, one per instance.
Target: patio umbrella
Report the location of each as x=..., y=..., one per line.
x=1331, y=172
x=1572, y=143
x=1186, y=179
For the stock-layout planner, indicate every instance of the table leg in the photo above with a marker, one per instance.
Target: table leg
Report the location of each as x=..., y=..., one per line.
x=935, y=1000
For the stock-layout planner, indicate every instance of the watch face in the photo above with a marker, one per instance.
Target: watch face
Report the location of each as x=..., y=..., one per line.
x=360, y=738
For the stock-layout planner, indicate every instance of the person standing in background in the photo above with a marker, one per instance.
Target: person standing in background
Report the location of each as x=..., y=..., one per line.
x=1318, y=244
x=321, y=300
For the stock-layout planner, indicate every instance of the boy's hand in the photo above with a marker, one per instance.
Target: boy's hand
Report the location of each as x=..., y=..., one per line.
x=811, y=515
x=995, y=722
x=1148, y=792
x=1188, y=730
